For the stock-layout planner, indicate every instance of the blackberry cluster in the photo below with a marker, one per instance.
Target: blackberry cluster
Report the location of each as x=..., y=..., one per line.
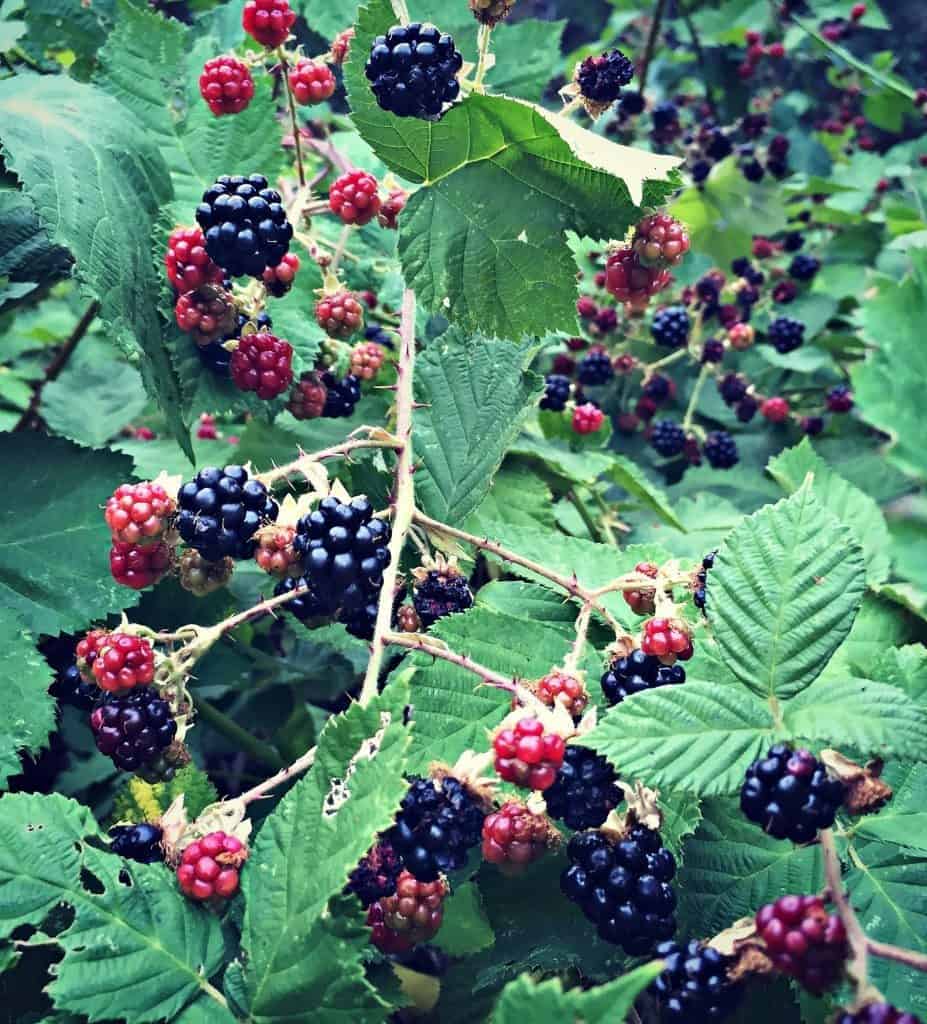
x=344, y=552
x=657, y=388
x=375, y=875
x=732, y=387
x=219, y=359
x=137, y=842
x=221, y=510
x=789, y=794
x=71, y=688
x=245, y=225
x=746, y=409
x=804, y=267
x=134, y=730
x=341, y=395
x=804, y=941
x=786, y=334
x=713, y=351
x=308, y=605
x=694, y=987
x=601, y=78
x=636, y=673
x=595, y=368
x=436, y=825
x=441, y=594
x=721, y=450
x=877, y=1013
x=379, y=334
x=413, y=69
x=699, y=594
x=585, y=790
x=623, y=887
x=667, y=438
x=556, y=392
x=670, y=327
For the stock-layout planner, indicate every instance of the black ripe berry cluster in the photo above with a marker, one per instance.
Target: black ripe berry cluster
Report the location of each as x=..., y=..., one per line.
x=245, y=225
x=221, y=510
x=376, y=874
x=786, y=334
x=308, y=605
x=601, y=78
x=694, y=988
x=134, y=730
x=436, y=825
x=721, y=450
x=341, y=395
x=789, y=794
x=670, y=327
x=440, y=594
x=584, y=791
x=623, y=887
x=667, y=438
x=556, y=392
x=700, y=591
x=636, y=673
x=71, y=688
x=413, y=69
x=137, y=842
x=595, y=368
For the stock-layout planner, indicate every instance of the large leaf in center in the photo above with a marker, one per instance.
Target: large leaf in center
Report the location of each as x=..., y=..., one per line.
x=484, y=240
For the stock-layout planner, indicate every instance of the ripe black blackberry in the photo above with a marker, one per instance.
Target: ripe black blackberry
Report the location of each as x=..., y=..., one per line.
x=713, y=351
x=786, y=334
x=585, y=791
x=667, y=438
x=556, y=392
x=440, y=593
x=140, y=842
x=376, y=873
x=245, y=225
x=342, y=395
x=718, y=145
x=694, y=987
x=657, y=388
x=308, y=605
x=221, y=510
x=877, y=1013
x=699, y=593
x=413, y=69
x=71, y=688
x=793, y=241
x=378, y=334
x=437, y=823
x=631, y=103
x=134, y=730
x=779, y=169
x=665, y=119
x=700, y=171
x=732, y=387
x=344, y=551
x=789, y=794
x=746, y=408
x=601, y=78
x=595, y=368
x=623, y=887
x=670, y=327
x=804, y=267
x=636, y=673
x=721, y=450
x=752, y=170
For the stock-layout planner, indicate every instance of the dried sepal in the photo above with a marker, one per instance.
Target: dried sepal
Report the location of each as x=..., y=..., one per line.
x=865, y=790
x=469, y=770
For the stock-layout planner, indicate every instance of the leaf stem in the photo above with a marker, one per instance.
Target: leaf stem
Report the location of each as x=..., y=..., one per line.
x=483, y=37
x=418, y=642
x=703, y=375
x=340, y=248
x=587, y=519
x=673, y=357
x=221, y=722
x=571, y=662
x=291, y=102
x=299, y=465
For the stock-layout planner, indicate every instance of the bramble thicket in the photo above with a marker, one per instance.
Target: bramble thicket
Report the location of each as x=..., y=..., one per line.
x=464, y=549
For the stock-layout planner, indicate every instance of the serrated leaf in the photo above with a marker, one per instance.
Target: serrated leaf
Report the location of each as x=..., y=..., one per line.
x=135, y=949
x=284, y=902
x=783, y=594
x=26, y=252
x=631, y=478
x=26, y=708
x=475, y=391
x=732, y=868
x=516, y=496
x=904, y=820
x=62, y=594
x=682, y=813
x=465, y=928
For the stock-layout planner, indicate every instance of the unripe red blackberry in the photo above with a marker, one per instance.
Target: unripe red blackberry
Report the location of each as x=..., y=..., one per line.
x=660, y=241
x=187, y=263
x=268, y=21
x=207, y=314
x=390, y=208
x=275, y=553
x=139, y=513
x=86, y=651
x=563, y=688
x=804, y=941
x=311, y=82
x=353, y=197
x=341, y=46
x=226, y=85
x=775, y=409
x=527, y=755
x=840, y=398
x=641, y=599
x=340, y=314
x=628, y=280
x=586, y=307
x=307, y=399
x=139, y=565
x=514, y=836
x=877, y=1013
x=366, y=360
x=202, y=577
x=741, y=336
x=123, y=662
x=407, y=619
x=279, y=280
x=587, y=419
x=667, y=640
x=262, y=363
x=209, y=867
x=413, y=914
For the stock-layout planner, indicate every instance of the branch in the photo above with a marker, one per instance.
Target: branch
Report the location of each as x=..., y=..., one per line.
x=857, y=965
x=403, y=497
x=291, y=102
x=703, y=375
x=308, y=458
x=57, y=364
x=300, y=765
x=581, y=627
x=418, y=642
x=652, y=37
x=221, y=722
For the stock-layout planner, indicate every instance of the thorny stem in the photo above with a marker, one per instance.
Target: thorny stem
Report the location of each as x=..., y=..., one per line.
x=221, y=722
x=403, y=496
x=483, y=37
x=606, y=519
x=300, y=765
x=418, y=642
x=299, y=465
x=703, y=375
x=571, y=662
x=340, y=248
x=577, y=502
x=651, y=44
x=291, y=102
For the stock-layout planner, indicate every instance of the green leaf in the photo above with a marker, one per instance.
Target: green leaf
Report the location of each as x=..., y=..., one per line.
x=145, y=801
x=97, y=181
x=475, y=391
x=904, y=820
x=465, y=928
x=732, y=868
x=682, y=813
x=516, y=496
x=695, y=738
x=282, y=930
x=26, y=252
x=26, y=708
x=785, y=588
x=135, y=948
x=484, y=242
x=631, y=478
x=60, y=594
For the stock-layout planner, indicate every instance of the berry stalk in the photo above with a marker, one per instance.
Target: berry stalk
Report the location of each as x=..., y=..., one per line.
x=299, y=465
x=484, y=34
x=703, y=375
x=221, y=722
x=581, y=627
x=291, y=103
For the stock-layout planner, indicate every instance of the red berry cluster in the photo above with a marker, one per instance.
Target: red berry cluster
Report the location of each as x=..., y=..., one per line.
x=353, y=197
x=207, y=313
x=121, y=661
x=587, y=418
x=187, y=262
x=268, y=21
x=226, y=85
x=513, y=836
x=139, y=513
x=667, y=640
x=341, y=46
x=660, y=241
x=413, y=914
x=630, y=281
x=391, y=207
x=563, y=688
x=278, y=280
x=641, y=599
x=86, y=652
x=756, y=51
x=307, y=399
x=275, y=553
x=139, y=565
x=339, y=314
x=527, y=755
x=209, y=867
x=262, y=363
x=804, y=941
x=311, y=82
x=366, y=360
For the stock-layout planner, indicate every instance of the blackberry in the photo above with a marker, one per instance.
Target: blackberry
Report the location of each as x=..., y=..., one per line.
x=779, y=169
x=789, y=794
x=713, y=351
x=732, y=387
x=379, y=334
x=694, y=987
x=746, y=409
x=718, y=145
x=217, y=358
x=752, y=170
x=413, y=69
x=431, y=960
x=877, y=1013
x=341, y=395
x=137, y=842
x=595, y=368
x=700, y=171
x=754, y=275
x=245, y=225
x=803, y=267
x=636, y=673
x=658, y=388
x=601, y=78
x=670, y=327
x=623, y=887
x=134, y=730
x=803, y=941
x=721, y=450
x=71, y=688
x=344, y=551
x=437, y=823
x=441, y=593
x=556, y=392
x=812, y=425
x=747, y=297
x=665, y=118
x=221, y=510
x=708, y=287
x=786, y=334
x=740, y=266
x=585, y=791
x=793, y=241
x=840, y=398
x=375, y=875
x=699, y=592
x=668, y=438
x=308, y=605
x=631, y=103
